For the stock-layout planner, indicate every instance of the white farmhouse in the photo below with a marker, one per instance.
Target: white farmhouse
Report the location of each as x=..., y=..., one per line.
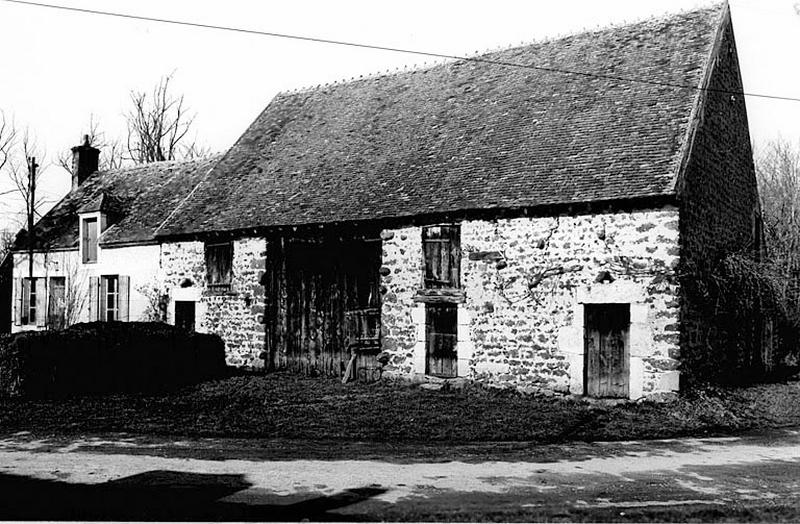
x=94, y=253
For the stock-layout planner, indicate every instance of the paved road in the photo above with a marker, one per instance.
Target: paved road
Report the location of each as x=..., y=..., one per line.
x=118, y=477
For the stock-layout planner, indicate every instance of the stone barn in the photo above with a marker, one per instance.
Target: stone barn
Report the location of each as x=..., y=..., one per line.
x=521, y=226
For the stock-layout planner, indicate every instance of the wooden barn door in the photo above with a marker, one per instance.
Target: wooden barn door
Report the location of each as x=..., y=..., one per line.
x=607, y=369
x=317, y=289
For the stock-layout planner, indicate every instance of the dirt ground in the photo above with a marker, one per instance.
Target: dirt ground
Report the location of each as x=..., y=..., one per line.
x=284, y=406
x=115, y=476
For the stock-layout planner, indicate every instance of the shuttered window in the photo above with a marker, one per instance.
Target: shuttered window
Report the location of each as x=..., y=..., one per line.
x=110, y=297
x=30, y=301
x=442, y=251
x=219, y=265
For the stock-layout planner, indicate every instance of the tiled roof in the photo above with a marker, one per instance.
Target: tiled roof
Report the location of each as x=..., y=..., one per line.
x=137, y=200
x=469, y=135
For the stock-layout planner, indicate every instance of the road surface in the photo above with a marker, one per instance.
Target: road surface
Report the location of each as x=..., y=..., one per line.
x=117, y=477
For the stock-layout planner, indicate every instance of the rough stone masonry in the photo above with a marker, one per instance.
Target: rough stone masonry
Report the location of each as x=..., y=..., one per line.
x=513, y=334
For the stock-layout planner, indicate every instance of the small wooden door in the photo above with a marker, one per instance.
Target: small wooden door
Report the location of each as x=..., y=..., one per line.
x=607, y=367
x=184, y=314
x=56, y=305
x=441, y=336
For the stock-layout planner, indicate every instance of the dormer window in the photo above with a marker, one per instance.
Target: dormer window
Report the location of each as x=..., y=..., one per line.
x=89, y=235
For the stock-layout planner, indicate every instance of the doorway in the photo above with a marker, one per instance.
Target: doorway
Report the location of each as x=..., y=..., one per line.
x=607, y=350
x=185, y=314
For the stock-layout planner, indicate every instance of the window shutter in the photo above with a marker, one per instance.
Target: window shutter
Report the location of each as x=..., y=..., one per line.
x=41, y=302
x=94, y=286
x=442, y=253
x=18, y=302
x=103, y=309
x=124, y=297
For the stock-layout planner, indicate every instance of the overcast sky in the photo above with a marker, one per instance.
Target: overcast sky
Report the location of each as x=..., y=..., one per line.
x=59, y=67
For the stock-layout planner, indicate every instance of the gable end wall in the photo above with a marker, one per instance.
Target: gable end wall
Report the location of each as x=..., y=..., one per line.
x=718, y=195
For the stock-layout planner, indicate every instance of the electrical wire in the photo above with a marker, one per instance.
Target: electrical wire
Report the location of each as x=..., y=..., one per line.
x=398, y=50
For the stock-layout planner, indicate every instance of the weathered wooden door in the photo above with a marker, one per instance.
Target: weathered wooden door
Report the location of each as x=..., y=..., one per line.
x=56, y=305
x=440, y=337
x=607, y=369
x=322, y=294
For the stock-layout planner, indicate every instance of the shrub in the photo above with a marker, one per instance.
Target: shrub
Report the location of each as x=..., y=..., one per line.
x=107, y=357
x=738, y=297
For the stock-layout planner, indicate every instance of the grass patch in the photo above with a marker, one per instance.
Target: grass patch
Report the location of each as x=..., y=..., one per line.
x=293, y=407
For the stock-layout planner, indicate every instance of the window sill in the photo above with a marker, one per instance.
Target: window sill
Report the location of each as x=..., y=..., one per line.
x=440, y=296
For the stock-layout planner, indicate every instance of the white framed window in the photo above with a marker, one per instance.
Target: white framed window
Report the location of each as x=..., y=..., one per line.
x=30, y=301
x=110, y=297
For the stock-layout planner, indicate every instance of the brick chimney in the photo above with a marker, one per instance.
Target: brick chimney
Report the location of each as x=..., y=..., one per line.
x=85, y=160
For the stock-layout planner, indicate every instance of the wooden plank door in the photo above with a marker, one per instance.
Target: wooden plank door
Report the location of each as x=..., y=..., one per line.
x=440, y=338
x=607, y=355
x=311, y=286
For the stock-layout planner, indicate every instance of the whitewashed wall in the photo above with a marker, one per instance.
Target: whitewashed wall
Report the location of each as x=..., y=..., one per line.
x=140, y=263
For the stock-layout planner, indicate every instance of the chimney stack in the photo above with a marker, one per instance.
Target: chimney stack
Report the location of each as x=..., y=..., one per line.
x=85, y=160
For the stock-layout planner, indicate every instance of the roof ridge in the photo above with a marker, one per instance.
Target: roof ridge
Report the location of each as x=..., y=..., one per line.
x=425, y=66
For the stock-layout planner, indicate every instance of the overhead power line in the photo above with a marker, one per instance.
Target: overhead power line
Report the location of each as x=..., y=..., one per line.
x=431, y=54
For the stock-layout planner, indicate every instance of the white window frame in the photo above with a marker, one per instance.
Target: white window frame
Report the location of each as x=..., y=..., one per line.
x=29, y=290
x=105, y=279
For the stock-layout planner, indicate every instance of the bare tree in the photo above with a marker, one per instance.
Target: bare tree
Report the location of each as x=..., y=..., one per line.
x=112, y=152
x=75, y=292
x=158, y=126
x=21, y=162
x=778, y=171
x=6, y=242
x=8, y=136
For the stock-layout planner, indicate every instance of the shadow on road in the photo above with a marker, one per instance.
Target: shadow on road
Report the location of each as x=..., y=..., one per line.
x=163, y=495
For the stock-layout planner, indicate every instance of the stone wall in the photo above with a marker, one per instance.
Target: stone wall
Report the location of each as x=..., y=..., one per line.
x=719, y=206
x=531, y=337
x=237, y=315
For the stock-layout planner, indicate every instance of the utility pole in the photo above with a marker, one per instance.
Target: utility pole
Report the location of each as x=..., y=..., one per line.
x=32, y=165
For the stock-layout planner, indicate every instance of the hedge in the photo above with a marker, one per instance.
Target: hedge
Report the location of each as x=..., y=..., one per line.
x=107, y=357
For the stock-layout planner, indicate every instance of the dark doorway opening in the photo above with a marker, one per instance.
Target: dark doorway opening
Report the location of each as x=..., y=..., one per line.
x=607, y=352
x=185, y=314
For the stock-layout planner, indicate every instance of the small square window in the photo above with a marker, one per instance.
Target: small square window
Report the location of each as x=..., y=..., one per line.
x=219, y=265
x=442, y=250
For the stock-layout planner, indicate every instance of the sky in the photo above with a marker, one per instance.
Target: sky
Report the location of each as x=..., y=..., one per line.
x=58, y=67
